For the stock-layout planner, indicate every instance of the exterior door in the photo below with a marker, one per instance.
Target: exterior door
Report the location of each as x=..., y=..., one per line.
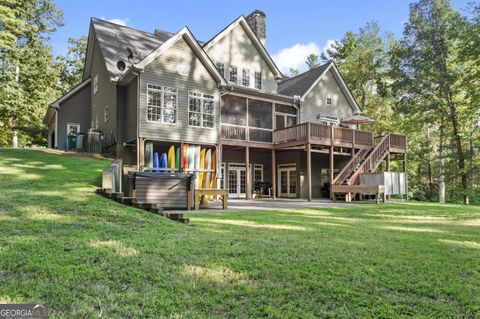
x=236, y=180
x=287, y=180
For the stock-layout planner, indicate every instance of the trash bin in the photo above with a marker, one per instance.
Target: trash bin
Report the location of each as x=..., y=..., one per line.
x=71, y=142
x=81, y=138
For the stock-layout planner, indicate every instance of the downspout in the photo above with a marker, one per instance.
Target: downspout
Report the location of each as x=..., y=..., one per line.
x=56, y=128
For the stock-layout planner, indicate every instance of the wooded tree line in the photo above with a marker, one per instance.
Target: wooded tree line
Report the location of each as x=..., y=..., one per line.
x=426, y=85
x=30, y=76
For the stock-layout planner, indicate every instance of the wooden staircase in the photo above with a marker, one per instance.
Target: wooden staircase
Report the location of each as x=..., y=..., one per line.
x=366, y=160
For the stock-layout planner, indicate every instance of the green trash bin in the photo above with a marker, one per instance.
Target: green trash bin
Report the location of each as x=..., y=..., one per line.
x=72, y=142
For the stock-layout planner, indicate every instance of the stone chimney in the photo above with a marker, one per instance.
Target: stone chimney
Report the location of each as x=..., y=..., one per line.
x=258, y=22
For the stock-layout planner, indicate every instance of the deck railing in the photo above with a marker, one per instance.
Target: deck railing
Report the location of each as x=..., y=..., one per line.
x=339, y=135
x=291, y=133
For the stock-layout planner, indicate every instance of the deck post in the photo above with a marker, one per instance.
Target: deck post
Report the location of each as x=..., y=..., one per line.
x=140, y=153
x=353, y=143
x=330, y=175
x=180, y=166
x=274, y=175
x=309, y=171
x=331, y=164
x=247, y=172
x=405, y=171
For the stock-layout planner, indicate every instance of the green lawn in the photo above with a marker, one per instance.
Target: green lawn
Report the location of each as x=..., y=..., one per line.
x=86, y=256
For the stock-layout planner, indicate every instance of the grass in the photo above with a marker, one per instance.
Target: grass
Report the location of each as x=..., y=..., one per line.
x=86, y=256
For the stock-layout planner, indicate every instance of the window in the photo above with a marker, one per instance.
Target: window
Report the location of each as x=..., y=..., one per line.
x=246, y=77
x=258, y=173
x=105, y=114
x=258, y=80
x=329, y=101
x=161, y=104
x=95, y=84
x=233, y=74
x=222, y=176
x=73, y=128
x=201, y=109
x=221, y=68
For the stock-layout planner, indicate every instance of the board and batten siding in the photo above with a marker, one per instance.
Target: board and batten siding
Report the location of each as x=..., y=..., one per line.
x=74, y=110
x=236, y=48
x=315, y=103
x=163, y=71
x=106, y=95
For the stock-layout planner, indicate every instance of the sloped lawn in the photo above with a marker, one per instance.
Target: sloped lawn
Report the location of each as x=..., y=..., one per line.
x=86, y=256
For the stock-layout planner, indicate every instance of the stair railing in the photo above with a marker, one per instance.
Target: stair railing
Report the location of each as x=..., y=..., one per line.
x=351, y=165
x=372, y=159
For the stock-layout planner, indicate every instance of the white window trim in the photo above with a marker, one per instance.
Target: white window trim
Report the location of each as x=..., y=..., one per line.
x=162, y=88
x=95, y=84
x=223, y=65
x=260, y=168
x=202, y=98
x=72, y=124
x=247, y=71
x=230, y=72
x=106, y=114
x=255, y=80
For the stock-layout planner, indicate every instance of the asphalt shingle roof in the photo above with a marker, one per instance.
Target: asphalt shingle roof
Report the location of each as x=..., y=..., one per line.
x=299, y=85
x=114, y=39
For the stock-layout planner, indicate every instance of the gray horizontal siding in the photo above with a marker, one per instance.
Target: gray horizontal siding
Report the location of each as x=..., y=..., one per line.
x=315, y=101
x=75, y=109
x=164, y=72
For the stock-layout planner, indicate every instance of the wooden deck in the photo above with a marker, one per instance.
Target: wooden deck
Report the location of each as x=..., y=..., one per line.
x=301, y=134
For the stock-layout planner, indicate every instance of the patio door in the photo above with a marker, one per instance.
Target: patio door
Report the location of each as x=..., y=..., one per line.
x=236, y=180
x=287, y=180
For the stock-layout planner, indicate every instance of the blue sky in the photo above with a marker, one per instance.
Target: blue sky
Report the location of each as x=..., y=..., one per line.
x=294, y=28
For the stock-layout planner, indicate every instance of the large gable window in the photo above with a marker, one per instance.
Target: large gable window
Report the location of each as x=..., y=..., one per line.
x=201, y=109
x=161, y=104
x=246, y=77
x=258, y=80
x=233, y=74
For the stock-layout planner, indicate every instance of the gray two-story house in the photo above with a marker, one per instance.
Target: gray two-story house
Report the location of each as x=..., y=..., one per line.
x=226, y=93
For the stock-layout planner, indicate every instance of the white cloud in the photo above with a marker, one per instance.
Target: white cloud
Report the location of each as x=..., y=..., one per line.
x=296, y=55
x=117, y=21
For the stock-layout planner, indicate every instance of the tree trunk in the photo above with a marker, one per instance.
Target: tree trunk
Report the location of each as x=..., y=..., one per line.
x=459, y=150
x=441, y=179
x=14, y=130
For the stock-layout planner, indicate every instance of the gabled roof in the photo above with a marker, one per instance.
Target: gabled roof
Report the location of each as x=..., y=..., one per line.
x=251, y=34
x=56, y=105
x=67, y=95
x=113, y=41
x=186, y=35
x=303, y=83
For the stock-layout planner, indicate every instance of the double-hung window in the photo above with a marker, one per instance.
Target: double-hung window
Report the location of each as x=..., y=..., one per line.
x=233, y=74
x=221, y=68
x=161, y=104
x=258, y=80
x=201, y=109
x=246, y=77
x=329, y=101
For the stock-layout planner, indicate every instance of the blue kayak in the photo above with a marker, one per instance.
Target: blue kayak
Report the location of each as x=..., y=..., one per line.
x=163, y=162
x=156, y=163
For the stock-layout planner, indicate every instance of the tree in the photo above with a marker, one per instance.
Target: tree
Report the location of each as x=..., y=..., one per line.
x=429, y=74
x=27, y=75
x=71, y=64
x=294, y=72
x=361, y=58
x=312, y=61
